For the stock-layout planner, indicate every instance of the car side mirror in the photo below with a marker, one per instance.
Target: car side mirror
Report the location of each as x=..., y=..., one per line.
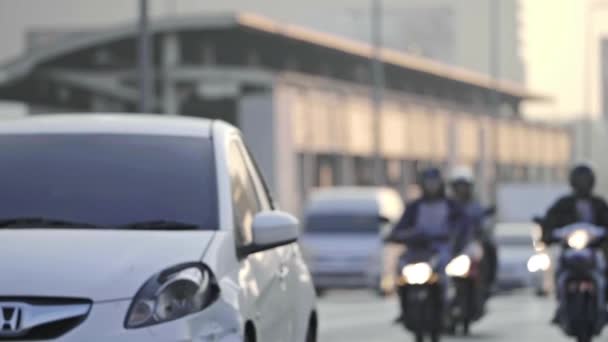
x=272, y=229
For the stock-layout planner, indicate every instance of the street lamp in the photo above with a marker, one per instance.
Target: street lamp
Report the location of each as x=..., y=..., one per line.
x=378, y=80
x=144, y=63
x=590, y=10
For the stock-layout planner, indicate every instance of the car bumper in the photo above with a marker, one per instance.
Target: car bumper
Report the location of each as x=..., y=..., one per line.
x=105, y=323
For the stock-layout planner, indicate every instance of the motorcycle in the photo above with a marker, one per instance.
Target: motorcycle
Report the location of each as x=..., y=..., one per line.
x=421, y=285
x=580, y=280
x=468, y=283
x=466, y=296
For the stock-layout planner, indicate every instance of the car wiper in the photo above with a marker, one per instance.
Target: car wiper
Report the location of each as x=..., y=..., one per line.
x=42, y=222
x=160, y=225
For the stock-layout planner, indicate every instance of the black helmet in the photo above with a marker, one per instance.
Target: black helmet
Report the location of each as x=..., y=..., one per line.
x=582, y=180
x=431, y=183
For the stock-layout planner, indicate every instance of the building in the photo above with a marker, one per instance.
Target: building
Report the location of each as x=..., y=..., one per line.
x=589, y=144
x=301, y=99
x=459, y=33
x=452, y=32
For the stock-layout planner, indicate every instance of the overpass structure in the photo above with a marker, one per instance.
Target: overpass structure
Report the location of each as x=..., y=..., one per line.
x=302, y=99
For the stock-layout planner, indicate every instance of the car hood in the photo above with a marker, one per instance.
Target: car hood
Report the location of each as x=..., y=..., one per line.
x=98, y=265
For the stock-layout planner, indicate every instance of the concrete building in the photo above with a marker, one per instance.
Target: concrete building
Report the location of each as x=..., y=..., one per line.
x=459, y=33
x=451, y=31
x=589, y=144
x=302, y=100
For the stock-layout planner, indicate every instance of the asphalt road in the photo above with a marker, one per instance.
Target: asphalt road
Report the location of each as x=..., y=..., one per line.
x=359, y=316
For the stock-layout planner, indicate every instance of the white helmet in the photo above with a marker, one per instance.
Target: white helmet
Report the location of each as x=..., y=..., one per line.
x=462, y=173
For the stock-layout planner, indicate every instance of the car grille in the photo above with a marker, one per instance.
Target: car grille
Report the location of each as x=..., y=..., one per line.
x=53, y=329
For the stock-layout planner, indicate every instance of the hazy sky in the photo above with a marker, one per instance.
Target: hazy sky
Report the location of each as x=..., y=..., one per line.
x=553, y=45
x=552, y=34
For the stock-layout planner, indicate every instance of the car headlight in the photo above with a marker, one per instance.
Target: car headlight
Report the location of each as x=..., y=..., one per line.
x=579, y=239
x=459, y=266
x=174, y=293
x=417, y=274
x=539, y=262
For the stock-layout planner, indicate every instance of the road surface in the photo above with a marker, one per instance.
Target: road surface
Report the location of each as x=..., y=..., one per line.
x=359, y=316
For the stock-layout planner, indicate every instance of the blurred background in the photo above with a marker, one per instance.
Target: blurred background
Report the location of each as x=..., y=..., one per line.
x=345, y=93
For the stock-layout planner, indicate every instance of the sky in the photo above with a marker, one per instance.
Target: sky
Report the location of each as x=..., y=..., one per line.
x=552, y=40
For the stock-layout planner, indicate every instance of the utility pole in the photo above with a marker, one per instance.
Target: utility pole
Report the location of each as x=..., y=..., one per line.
x=378, y=80
x=144, y=60
x=494, y=108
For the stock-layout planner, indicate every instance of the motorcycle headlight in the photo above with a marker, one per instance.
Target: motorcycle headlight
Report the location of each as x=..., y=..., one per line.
x=539, y=262
x=417, y=274
x=172, y=294
x=459, y=266
x=579, y=239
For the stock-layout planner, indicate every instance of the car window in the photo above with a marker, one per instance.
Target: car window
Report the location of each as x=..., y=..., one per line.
x=109, y=180
x=261, y=188
x=514, y=241
x=342, y=223
x=244, y=197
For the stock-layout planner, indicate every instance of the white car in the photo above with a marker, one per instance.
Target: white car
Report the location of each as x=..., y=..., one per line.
x=143, y=228
x=515, y=253
x=343, y=238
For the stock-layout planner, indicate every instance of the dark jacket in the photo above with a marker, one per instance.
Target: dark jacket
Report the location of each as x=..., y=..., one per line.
x=456, y=216
x=564, y=212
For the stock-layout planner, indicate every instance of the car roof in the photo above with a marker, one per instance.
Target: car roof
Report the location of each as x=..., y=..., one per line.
x=98, y=123
x=361, y=200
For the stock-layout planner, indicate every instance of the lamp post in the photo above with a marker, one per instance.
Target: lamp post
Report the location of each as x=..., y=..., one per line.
x=144, y=63
x=494, y=50
x=378, y=83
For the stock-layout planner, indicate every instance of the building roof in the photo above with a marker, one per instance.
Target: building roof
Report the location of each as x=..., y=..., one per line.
x=108, y=124
x=24, y=64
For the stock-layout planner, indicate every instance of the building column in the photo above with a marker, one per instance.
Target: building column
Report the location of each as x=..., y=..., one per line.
x=347, y=169
x=452, y=140
x=171, y=58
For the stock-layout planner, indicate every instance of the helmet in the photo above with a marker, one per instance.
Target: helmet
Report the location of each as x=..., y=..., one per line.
x=582, y=179
x=430, y=173
x=461, y=183
x=431, y=182
x=462, y=173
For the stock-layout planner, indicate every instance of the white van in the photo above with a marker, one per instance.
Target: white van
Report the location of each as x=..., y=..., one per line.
x=343, y=236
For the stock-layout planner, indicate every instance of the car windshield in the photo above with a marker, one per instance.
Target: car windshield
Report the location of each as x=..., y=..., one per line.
x=342, y=224
x=107, y=181
x=514, y=241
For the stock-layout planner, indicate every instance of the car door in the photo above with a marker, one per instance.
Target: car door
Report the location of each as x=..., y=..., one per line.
x=262, y=278
x=287, y=271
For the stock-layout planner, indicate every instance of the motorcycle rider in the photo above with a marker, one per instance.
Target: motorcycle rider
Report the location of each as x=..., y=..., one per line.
x=433, y=214
x=582, y=205
x=462, y=185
